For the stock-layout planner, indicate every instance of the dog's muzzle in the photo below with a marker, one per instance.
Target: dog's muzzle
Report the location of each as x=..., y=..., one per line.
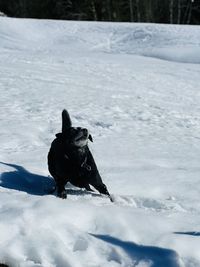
x=81, y=138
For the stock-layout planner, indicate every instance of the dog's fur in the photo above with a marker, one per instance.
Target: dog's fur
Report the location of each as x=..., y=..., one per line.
x=70, y=160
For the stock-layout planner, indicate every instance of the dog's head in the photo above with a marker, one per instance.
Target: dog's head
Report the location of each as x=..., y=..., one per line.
x=74, y=136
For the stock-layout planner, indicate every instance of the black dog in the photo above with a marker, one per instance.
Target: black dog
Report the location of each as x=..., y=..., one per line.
x=70, y=160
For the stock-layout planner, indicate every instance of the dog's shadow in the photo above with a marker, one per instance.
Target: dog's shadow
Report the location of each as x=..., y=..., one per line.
x=22, y=180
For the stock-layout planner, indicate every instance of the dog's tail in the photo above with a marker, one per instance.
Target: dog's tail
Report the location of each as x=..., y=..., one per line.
x=66, y=121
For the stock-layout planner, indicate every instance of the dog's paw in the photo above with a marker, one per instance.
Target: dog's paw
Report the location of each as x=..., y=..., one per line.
x=62, y=195
x=111, y=197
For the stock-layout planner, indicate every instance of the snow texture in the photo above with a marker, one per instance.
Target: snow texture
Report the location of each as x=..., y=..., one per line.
x=136, y=88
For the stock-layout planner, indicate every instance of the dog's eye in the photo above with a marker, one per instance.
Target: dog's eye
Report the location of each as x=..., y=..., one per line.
x=73, y=131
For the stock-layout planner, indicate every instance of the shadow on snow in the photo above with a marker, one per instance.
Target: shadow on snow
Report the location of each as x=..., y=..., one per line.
x=157, y=257
x=188, y=233
x=22, y=180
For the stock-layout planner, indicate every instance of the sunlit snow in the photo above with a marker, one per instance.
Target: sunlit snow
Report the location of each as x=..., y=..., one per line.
x=136, y=88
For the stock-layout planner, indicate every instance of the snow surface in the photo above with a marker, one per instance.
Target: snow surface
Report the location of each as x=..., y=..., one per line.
x=136, y=88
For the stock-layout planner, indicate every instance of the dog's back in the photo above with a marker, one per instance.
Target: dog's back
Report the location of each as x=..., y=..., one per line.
x=55, y=159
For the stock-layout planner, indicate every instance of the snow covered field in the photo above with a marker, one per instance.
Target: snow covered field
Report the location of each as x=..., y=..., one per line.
x=136, y=88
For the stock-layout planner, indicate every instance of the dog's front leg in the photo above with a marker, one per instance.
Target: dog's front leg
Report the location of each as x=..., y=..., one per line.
x=61, y=191
x=88, y=188
x=103, y=190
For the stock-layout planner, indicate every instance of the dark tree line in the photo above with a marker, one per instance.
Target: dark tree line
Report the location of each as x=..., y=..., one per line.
x=158, y=11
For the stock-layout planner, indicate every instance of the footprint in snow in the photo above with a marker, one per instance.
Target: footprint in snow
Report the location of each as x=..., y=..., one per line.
x=148, y=203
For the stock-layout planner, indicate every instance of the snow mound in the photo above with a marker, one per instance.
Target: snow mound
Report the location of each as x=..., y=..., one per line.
x=163, y=42
x=173, y=43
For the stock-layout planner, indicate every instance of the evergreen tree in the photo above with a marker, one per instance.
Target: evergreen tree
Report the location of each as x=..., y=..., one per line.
x=159, y=11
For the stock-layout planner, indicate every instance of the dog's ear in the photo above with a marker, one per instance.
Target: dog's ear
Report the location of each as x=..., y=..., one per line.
x=59, y=135
x=66, y=121
x=90, y=138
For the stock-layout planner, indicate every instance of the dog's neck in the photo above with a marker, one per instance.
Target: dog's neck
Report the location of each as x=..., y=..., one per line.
x=77, y=153
x=75, y=149
x=80, y=155
x=82, y=150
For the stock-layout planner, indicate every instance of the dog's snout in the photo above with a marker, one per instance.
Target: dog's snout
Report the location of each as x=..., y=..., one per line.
x=85, y=131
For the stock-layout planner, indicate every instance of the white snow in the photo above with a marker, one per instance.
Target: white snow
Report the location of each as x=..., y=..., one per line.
x=136, y=88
